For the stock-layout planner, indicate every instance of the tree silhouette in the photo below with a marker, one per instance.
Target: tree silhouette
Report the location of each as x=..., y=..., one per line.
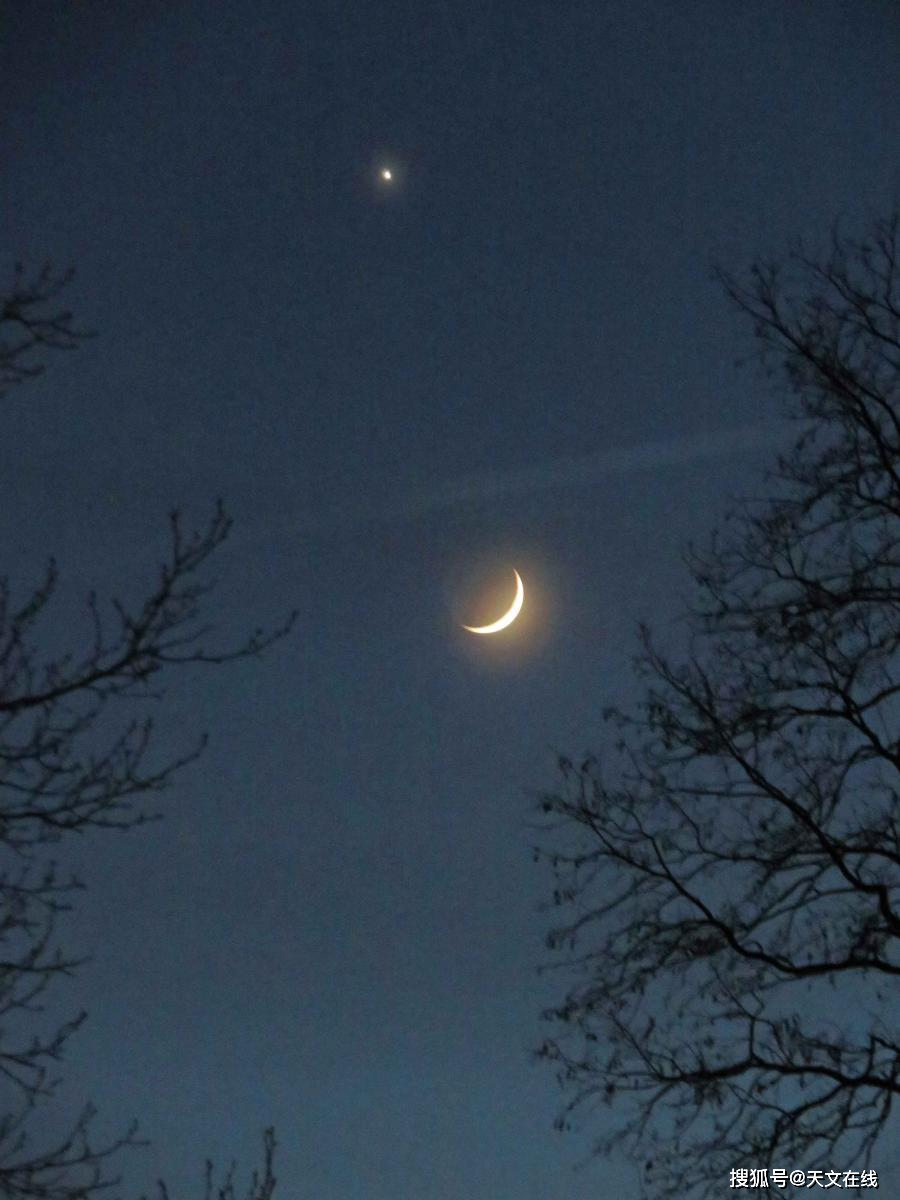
x=262, y=1184
x=729, y=874
x=30, y=322
x=73, y=758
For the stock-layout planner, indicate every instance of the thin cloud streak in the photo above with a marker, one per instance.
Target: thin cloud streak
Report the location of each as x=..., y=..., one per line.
x=562, y=473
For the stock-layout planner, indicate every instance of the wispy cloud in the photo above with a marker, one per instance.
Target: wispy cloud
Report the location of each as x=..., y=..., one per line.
x=576, y=471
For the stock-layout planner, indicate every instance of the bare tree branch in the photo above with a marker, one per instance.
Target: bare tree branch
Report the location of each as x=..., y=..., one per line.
x=746, y=853
x=262, y=1183
x=68, y=763
x=30, y=323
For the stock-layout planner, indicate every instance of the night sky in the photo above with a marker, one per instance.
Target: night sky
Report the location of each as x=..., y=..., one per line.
x=512, y=356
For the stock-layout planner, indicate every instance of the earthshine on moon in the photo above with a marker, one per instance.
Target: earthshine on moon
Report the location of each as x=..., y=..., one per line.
x=509, y=616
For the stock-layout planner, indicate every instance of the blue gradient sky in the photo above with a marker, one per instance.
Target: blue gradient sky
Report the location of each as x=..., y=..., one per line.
x=515, y=357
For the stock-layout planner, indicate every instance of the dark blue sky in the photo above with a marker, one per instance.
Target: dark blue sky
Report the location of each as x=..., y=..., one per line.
x=512, y=357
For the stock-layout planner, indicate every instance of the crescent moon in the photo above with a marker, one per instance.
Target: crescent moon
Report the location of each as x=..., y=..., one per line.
x=509, y=616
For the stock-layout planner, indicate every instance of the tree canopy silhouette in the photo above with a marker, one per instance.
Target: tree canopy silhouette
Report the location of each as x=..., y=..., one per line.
x=728, y=874
x=73, y=757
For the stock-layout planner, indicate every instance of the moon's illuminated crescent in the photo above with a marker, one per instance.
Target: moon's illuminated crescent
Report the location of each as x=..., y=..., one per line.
x=509, y=616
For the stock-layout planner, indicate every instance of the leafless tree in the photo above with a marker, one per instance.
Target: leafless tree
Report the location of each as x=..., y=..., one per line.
x=31, y=321
x=728, y=873
x=74, y=757
x=262, y=1183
